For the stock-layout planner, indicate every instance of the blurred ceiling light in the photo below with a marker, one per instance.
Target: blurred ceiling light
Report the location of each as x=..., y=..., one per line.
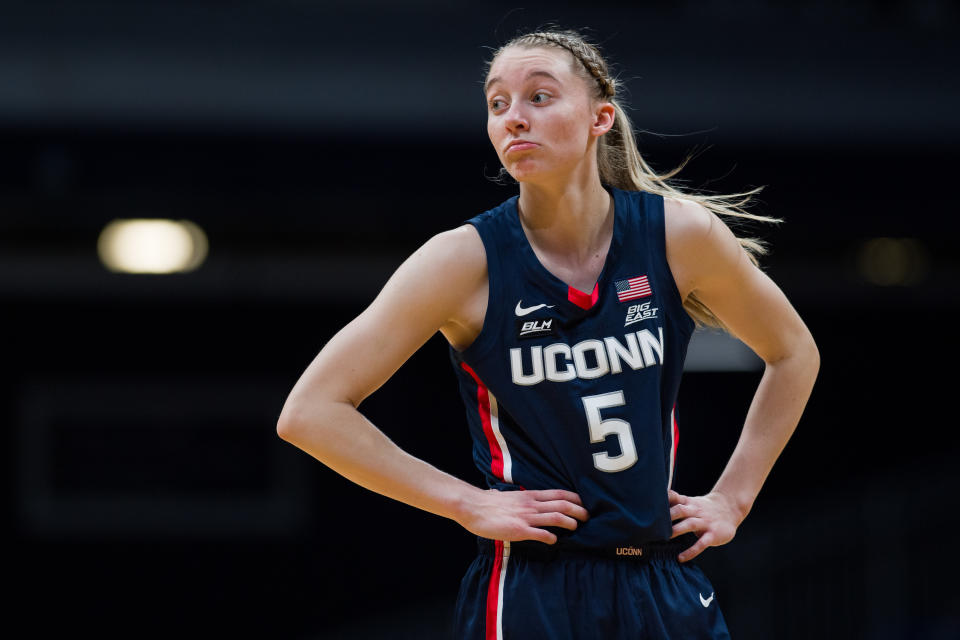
x=152, y=246
x=893, y=261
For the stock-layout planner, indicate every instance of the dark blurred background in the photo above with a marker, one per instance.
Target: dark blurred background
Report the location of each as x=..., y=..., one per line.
x=315, y=145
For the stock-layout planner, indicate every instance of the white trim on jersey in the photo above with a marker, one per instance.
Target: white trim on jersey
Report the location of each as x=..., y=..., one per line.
x=495, y=427
x=503, y=575
x=673, y=447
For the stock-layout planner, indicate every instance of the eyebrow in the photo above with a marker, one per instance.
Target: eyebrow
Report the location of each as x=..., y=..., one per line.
x=532, y=74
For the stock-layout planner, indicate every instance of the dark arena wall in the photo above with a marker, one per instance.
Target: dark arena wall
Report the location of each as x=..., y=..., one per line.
x=315, y=146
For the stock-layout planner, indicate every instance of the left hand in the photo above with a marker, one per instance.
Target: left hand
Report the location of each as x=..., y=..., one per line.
x=714, y=517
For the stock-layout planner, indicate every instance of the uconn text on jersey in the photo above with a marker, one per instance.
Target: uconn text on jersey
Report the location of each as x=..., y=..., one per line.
x=588, y=359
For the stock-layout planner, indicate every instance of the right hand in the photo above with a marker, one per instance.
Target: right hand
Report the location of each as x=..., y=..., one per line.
x=518, y=515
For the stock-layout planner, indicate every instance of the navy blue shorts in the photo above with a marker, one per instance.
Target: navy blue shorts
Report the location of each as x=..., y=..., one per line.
x=529, y=590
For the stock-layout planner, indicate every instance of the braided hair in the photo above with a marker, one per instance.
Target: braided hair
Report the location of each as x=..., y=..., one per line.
x=618, y=158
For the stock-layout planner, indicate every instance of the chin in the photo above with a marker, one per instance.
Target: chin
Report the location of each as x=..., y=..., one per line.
x=524, y=172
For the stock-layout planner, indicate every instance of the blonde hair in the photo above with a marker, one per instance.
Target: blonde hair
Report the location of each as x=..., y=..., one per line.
x=619, y=159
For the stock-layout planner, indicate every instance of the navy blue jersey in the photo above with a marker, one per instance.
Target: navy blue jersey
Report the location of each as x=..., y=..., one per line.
x=567, y=389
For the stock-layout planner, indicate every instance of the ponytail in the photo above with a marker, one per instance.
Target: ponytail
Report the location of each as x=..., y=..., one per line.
x=622, y=166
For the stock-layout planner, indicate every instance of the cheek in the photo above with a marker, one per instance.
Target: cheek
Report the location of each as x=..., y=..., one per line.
x=570, y=131
x=493, y=135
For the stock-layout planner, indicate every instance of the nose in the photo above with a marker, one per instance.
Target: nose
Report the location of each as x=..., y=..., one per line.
x=516, y=120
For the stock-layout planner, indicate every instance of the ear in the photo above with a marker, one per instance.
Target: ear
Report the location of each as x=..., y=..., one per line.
x=604, y=116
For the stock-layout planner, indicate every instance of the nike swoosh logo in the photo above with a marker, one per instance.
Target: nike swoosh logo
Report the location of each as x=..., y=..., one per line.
x=522, y=312
x=706, y=601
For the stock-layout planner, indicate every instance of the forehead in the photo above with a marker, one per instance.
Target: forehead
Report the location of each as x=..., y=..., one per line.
x=514, y=63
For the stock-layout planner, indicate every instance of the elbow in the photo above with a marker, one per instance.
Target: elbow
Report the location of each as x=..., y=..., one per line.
x=812, y=357
x=287, y=425
x=814, y=352
x=285, y=428
x=303, y=419
x=802, y=356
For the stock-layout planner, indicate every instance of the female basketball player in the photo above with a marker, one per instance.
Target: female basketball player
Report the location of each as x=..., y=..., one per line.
x=568, y=310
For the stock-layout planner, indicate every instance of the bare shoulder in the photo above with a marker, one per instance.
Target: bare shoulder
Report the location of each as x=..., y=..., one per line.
x=429, y=289
x=687, y=222
x=461, y=249
x=687, y=226
x=459, y=261
x=700, y=245
x=439, y=273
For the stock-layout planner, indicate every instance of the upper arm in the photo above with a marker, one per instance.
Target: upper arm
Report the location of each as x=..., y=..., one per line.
x=427, y=291
x=707, y=259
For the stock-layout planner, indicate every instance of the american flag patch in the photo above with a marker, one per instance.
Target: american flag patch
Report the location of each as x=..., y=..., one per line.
x=632, y=288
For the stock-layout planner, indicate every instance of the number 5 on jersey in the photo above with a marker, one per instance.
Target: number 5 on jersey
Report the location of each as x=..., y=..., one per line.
x=600, y=429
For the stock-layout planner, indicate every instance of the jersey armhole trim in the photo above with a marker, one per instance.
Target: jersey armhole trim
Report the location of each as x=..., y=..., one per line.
x=658, y=221
x=492, y=315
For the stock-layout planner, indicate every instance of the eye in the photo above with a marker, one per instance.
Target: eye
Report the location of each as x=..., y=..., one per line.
x=496, y=103
x=540, y=94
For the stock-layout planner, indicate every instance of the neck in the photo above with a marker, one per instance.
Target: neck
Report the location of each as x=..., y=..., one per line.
x=573, y=217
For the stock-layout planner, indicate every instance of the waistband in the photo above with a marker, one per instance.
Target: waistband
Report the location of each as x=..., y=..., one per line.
x=638, y=552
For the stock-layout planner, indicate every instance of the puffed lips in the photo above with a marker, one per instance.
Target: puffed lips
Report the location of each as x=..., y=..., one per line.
x=520, y=145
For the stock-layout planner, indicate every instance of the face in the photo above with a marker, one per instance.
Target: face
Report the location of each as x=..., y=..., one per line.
x=541, y=119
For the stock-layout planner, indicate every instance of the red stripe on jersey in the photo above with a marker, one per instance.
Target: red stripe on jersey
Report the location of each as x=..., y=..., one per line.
x=676, y=436
x=581, y=299
x=493, y=591
x=483, y=406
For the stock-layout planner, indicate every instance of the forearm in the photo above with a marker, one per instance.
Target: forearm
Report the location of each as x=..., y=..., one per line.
x=340, y=437
x=771, y=420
